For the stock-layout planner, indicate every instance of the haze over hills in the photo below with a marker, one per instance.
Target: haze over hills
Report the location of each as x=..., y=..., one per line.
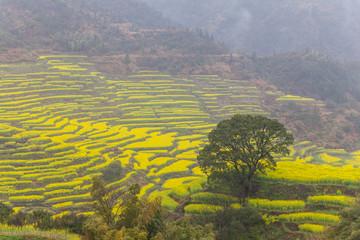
x=265, y=27
x=98, y=95
x=113, y=29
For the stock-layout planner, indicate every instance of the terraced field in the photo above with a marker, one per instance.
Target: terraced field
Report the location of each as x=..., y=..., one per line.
x=61, y=123
x=307, y=164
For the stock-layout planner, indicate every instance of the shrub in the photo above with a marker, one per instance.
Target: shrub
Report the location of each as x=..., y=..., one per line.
x=242, y=223
x=112, y=172
x=5, y=212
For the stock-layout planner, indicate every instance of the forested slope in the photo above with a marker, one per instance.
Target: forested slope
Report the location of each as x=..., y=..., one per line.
x=94, y=27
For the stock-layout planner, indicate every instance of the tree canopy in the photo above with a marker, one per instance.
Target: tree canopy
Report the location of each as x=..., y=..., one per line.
x=242, y=147
x=120, y=214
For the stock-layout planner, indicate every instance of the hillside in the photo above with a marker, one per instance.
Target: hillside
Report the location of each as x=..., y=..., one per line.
x=125, y=37
x=63, y=122
x=114, y=90
x=307, y=74
x=112, y=27
x=331, y=27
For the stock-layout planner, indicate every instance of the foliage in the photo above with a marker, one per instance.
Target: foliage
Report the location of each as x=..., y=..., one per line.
x=242, y=147
x=5, y=212
x=93, y=227
x=112, y=172
x=18, y=219
x=305, y=74
x=123, y=214
x=184, y=230
x=353, y=74
x=71, y=221
x=105, y=201
x=58, y=25
x=349, y=225
x=130, y=208
x=155, y=224
x=41, y=219
x=127, y=59
x=78, y=41
x=242, y=223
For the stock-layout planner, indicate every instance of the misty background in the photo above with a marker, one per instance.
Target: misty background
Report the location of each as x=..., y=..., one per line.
x=267, y=27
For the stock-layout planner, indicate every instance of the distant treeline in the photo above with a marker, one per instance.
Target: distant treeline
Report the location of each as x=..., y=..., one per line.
x=306, y=73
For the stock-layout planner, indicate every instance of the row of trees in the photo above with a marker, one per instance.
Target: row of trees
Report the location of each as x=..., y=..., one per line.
x=121, y=215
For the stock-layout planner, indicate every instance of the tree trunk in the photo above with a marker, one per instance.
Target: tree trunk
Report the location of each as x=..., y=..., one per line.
x=250, y=186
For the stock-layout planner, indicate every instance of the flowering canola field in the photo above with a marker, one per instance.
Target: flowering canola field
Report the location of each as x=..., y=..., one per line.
x=62, y=123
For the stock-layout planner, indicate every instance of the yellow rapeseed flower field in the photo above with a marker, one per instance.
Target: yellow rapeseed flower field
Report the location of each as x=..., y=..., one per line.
x=62, y=126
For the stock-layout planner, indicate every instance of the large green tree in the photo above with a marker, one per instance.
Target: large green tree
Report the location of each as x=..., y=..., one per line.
x=242, y=147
